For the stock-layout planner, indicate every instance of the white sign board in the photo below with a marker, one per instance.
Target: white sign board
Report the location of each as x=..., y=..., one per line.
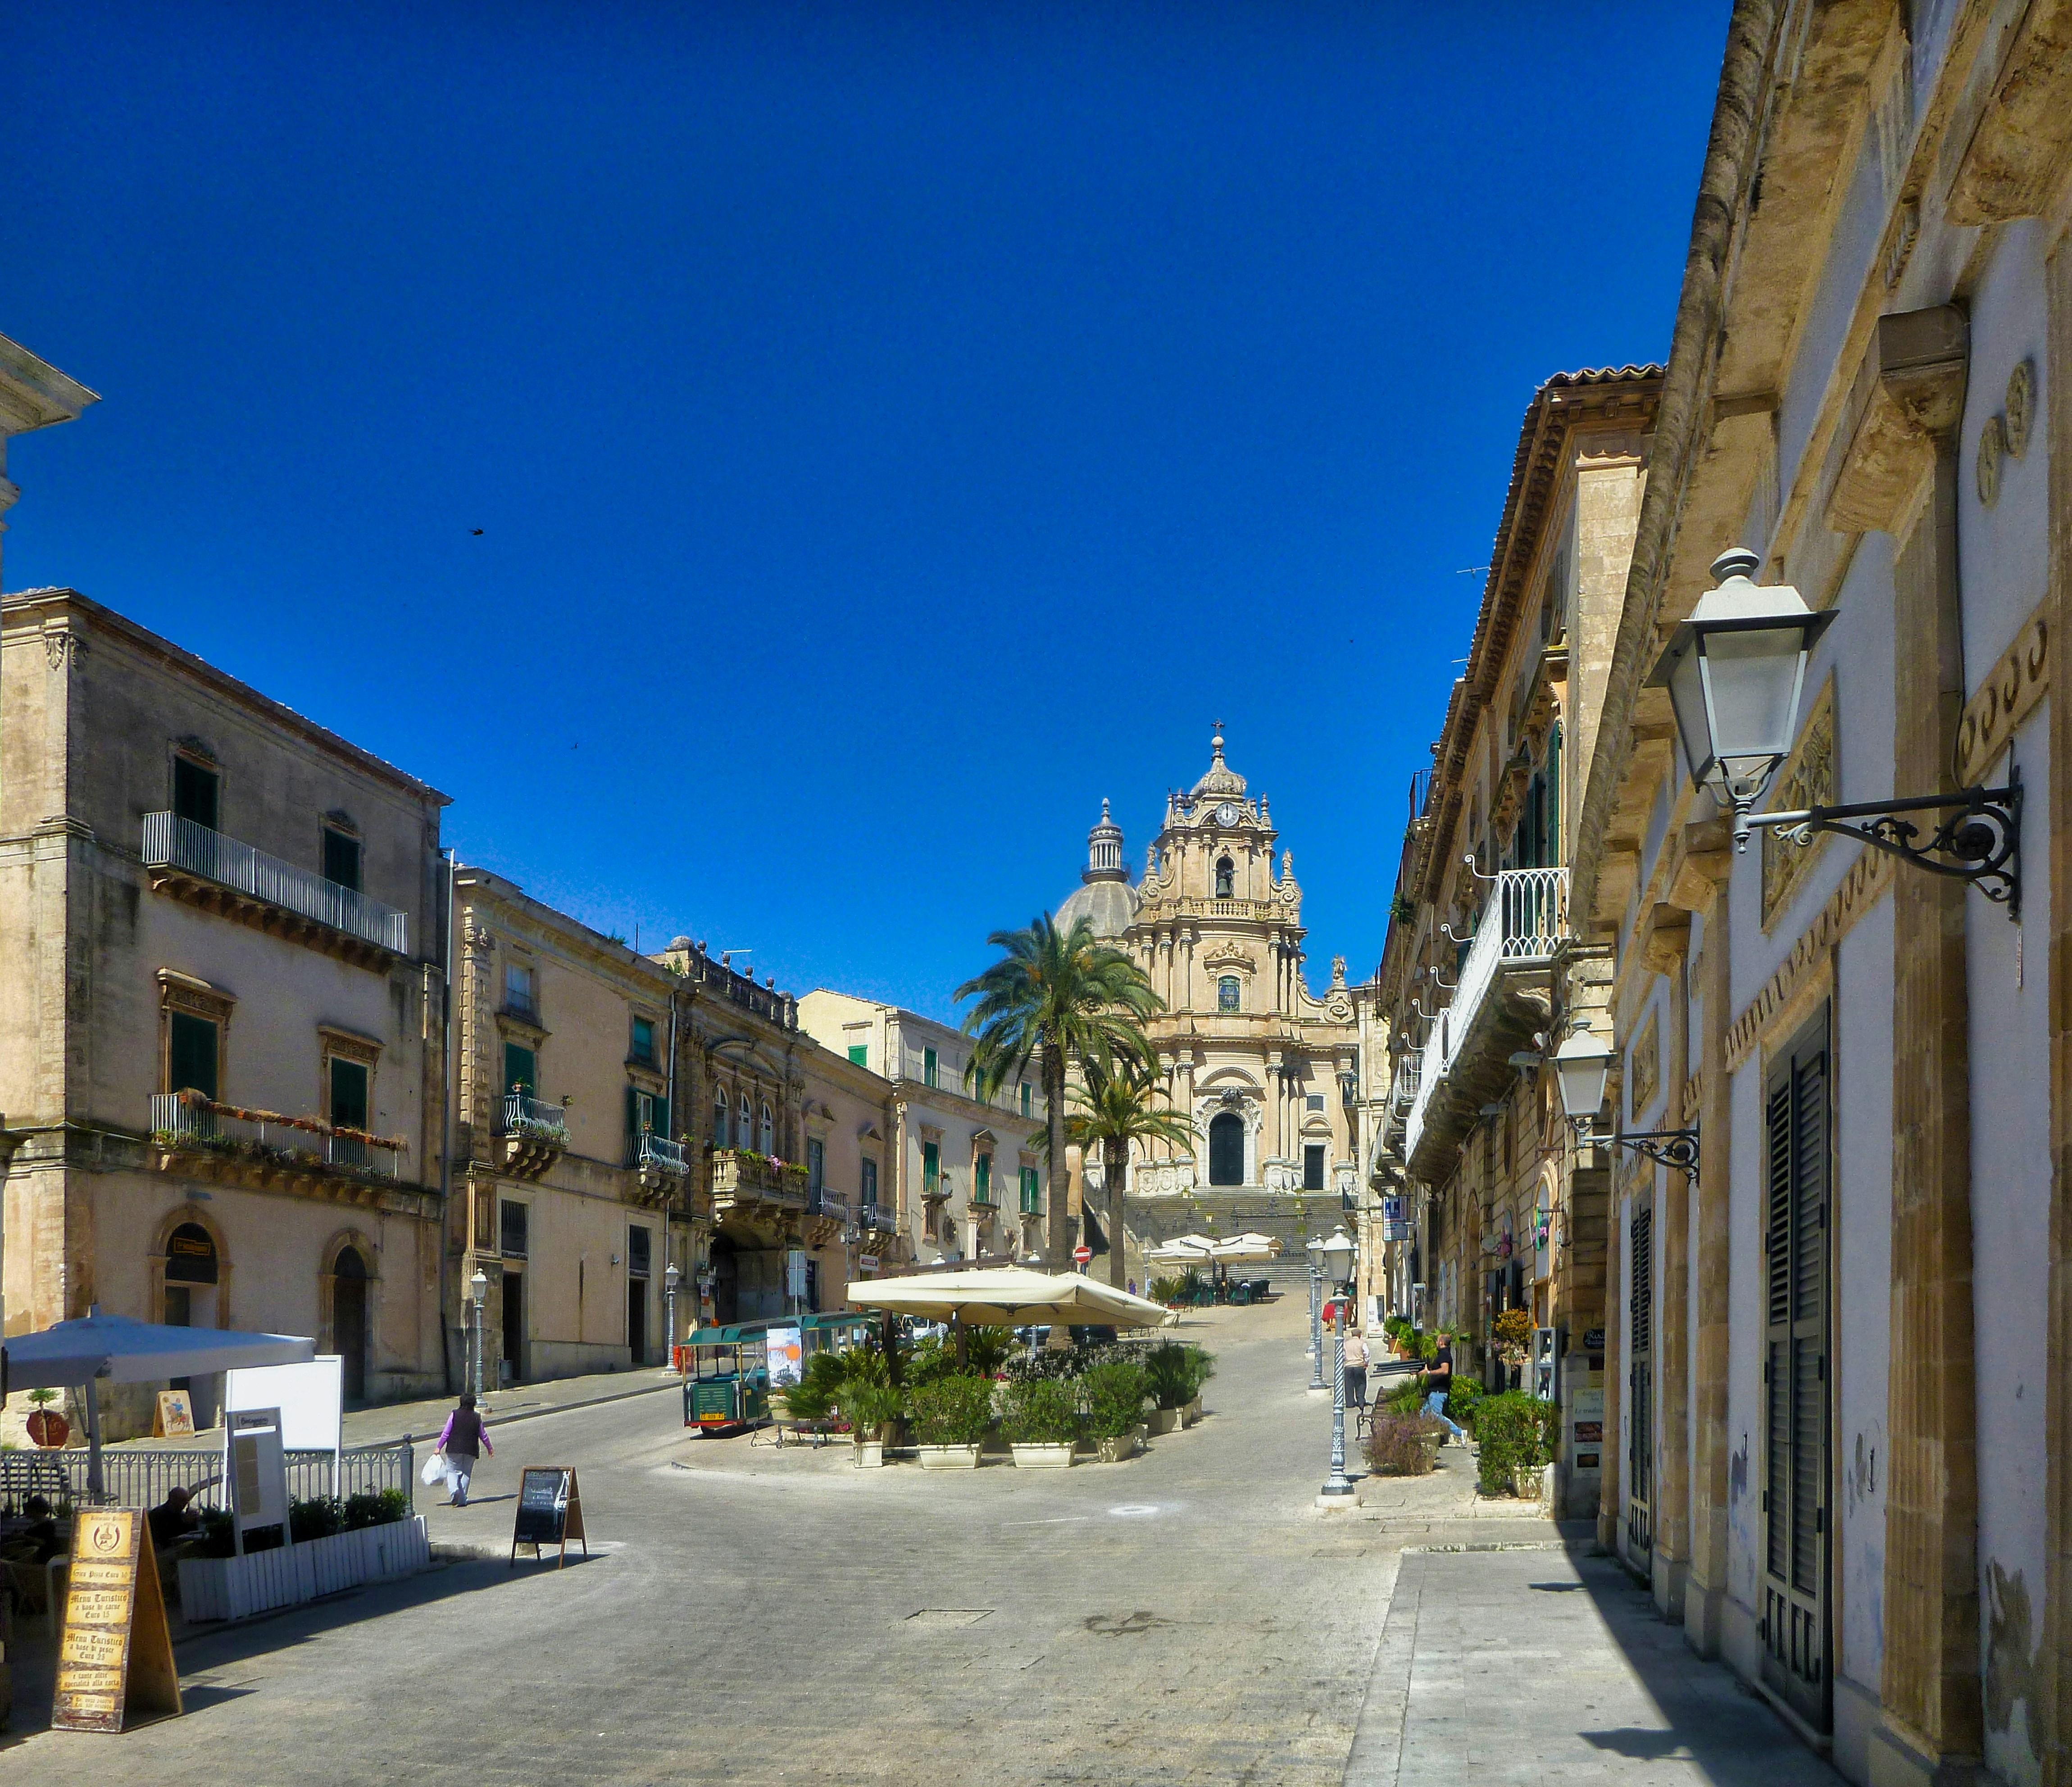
x=786, y=1351
x=310, y=1398
x=257, y=1473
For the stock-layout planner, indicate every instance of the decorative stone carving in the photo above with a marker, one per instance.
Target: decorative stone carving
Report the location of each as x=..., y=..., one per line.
x=2015, y=160
x=59, y=646
x=1807, y=779
x=2020, y=407
x=1910, y=391
x=2011, y=689
x=1993, y=449
x=1230, y=955
x=1868, y=876
x=1644, y=1062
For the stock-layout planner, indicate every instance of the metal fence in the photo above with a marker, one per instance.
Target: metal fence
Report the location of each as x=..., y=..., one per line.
x=207, y=1125
x=176, y=843
x=141, y=1477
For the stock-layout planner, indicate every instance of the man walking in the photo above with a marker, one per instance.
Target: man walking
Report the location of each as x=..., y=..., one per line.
x=1355, y=1369
x=1439, y=1384
x=462, y=1441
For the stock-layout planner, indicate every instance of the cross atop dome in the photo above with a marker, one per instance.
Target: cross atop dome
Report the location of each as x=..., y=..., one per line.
x=1221, y=778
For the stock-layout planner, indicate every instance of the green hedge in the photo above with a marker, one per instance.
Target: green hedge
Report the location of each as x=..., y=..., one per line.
x=951, y=1412
x=1516, y=1432
x=1042, y=1411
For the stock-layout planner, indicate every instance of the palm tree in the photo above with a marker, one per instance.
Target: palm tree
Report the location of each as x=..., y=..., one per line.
x=1114, y=1110
x=1058, y=996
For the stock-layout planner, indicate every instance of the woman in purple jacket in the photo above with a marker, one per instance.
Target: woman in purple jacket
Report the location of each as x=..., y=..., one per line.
x=462, y=1441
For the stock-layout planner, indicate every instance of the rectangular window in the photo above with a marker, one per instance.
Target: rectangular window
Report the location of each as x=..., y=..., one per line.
x=1314, y=1100
x=869, y=1186
x=348, y=1093
x=1313, y=1167
x=643, y=1041
x=982, y=1180
x=816, y=1165
x=1028, y=1100
x=1032, y=1193
x=341, y=858
x=927, y=1066
x=521, y=995
x=513, y=1227
x=194, y=792
x=640, y=1251
x=859, y=1054
x=521, y=1070
x=931, y=1169
x=647, y=1111
x=191, y=1054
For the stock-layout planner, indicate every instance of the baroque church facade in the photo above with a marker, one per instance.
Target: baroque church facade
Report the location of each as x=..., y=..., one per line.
x=1267, y=1073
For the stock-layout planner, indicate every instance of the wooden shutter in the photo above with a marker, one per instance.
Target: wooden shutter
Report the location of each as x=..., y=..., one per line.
x=1640, y=1452
x=191, y=1054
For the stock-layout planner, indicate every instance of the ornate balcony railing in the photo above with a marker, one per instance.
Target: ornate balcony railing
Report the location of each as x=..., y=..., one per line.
x=741, y=1176
x=1524, y=922
x=173, y=843
x=877, y=1216
x=535, y=1118
x=651, y=1150
x=185, y=1123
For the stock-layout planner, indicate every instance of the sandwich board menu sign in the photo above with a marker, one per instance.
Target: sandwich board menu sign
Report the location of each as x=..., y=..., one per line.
x=115, y=1657
x=174, y=1418
x=549, y=1511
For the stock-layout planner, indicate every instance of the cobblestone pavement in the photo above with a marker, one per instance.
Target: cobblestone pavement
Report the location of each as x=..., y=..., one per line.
x=753, y=1615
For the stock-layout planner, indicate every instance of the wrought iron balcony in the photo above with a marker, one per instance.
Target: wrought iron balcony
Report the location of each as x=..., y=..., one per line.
x=224, y=1141
x=1524, y=923
x=191, y=859
x=535, y=1118
x=659, y=1152
x=877, y=1216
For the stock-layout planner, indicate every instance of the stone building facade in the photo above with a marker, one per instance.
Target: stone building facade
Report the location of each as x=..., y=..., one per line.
x=1497, y=1209
x=221, y=1010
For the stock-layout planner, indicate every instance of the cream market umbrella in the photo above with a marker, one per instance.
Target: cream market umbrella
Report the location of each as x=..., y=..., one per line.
x=1249, y=1246
x=91, y=1347
x=1184, y=1248
x=1007, y=1298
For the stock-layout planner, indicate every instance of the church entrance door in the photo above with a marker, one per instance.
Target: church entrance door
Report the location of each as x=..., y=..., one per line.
x=1227, y=1149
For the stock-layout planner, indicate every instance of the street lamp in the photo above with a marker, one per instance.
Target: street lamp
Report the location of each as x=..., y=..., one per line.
x=671, y=1278
x=1315, y=1250
x=1582, y=1065
x=478, y=1285
x=1336, y=1256
x=1735, y=671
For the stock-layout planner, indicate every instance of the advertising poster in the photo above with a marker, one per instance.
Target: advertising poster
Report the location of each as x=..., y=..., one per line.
x=788, y=1357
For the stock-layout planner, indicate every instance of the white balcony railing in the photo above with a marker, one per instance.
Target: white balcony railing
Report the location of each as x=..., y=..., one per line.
x=170, y=842
x=1525, y=921
x=535, y=1118
x=652, y=1150
x=877, y=1216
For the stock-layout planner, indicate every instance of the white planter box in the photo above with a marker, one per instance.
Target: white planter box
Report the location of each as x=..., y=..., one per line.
x=1191, y=1413
x=870, y=1454
x=237, y=1587
x=1043, y=1458
x=1113, y=1451
x=1162, y=1420
x=947, y=1458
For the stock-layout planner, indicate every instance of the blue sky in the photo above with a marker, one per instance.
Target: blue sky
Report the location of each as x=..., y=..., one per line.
x=891, y=428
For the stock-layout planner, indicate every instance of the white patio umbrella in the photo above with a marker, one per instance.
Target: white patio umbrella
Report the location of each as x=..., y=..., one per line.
x=1008, y=1297
x=91, y=1347
x=1184, y=1248
x=1249, y=1246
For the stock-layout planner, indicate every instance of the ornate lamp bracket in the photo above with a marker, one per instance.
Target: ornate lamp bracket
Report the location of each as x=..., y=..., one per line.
x=1677, y=1149
x=1980, y=843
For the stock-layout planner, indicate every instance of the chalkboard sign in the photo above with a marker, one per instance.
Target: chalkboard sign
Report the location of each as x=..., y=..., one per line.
x=549, y=1511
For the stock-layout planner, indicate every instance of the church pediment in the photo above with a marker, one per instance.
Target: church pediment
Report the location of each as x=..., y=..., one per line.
x=1230, y=955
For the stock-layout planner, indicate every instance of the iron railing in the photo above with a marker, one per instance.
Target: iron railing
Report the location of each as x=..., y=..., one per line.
x=652, y=1150
x=525, y=1116
x=172, y=842
x=202, y=1123
x=877, y=1216
x=141, y=1477
x=1524, y=922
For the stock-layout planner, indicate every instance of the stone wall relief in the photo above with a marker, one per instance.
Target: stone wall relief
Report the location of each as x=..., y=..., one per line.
x=1808, y=778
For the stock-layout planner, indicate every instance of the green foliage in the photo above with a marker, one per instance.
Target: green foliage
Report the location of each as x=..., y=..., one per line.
x=1462, y=1401
x=43, y=1398
x=1042, y=1411
x=1064, y=994
x=1406, y=1398
x=1516, y=1432
x=318, y=1517
x=988, y=1349
x=375, y=1508
x=872, y=1408
x=1175, y=1372
x=818, y=1389
x=952, y=1411
x=1114, y=1395
x=1397, y=1445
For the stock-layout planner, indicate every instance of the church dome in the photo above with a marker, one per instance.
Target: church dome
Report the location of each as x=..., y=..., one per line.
x=1104, y=898
x=1221, y=778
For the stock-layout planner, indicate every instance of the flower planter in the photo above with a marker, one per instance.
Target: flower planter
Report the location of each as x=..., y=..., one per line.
x=1113, y=1451
x=236, y=1588
x=1162, y=1420
x=1191, y=1413
x=947, y=1458
x=1525, y=1482
x=1028, y=1456
x=870, y=1454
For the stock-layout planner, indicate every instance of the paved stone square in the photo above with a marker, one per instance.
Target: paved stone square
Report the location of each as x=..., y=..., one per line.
x=752, y=1615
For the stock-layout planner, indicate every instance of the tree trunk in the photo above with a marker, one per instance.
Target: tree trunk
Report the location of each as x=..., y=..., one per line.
x=1115, y=1159
x=1057, y=1222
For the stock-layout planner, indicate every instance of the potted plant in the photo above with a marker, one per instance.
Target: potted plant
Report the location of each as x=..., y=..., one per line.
x=1403, y=1445
x=951, y=1418
x=1042, y=1422
x=1116, y=1394
x=1516, y=1433
x=46, y=1427
x=871, y=1408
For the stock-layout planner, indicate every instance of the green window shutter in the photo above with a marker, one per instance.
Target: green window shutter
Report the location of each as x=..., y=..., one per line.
x=660, y=1114
x=928, y=1066
x=191, y=1054
x=859, y=1054
x=930, y=1165
x=632, y=1111
x=520, y=1073
x=348, y=1093
x=983, y=1177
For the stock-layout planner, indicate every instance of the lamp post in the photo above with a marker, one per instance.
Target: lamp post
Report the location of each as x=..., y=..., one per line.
x=1315, y=1251
x=1735, y=670
x=479, y=1286
x=1337, y=1257
x=671, y=1277
x=1582, y=1065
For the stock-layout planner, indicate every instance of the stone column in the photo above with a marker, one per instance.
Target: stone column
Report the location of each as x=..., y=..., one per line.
x=1900, y=477
x=1667, y=950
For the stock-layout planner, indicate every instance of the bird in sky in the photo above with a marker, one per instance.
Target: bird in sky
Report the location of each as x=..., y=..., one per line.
x=474, y=530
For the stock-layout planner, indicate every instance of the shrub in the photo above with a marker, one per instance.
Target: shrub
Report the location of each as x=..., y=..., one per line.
x=819, y=1383
x=375, y=1508
x=1115, y=1394
x=986, y=1350
x=1166, y=1289
x=1173, y=1373
x=1463, y=1399
x=1395, y=1445
x=318, y=1517
x=952, y=1411
x=871, y=1407
x=1517, y=1432
x=1041, y=1412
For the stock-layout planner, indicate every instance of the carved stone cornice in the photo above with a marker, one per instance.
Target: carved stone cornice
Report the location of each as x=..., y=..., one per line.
x=1867, y=879
x=2016, y=159
x=1910, y=392
x=2011, y=690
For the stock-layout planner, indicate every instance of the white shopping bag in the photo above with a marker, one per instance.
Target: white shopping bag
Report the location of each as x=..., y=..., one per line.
x=434, y=1470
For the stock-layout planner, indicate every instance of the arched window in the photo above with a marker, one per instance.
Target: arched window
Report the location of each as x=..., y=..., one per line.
x=768, y=1133
x=719, y=1116
x=1227, y=1149
x=1226, y=877
x=1227, y=993
x=744, y=1136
